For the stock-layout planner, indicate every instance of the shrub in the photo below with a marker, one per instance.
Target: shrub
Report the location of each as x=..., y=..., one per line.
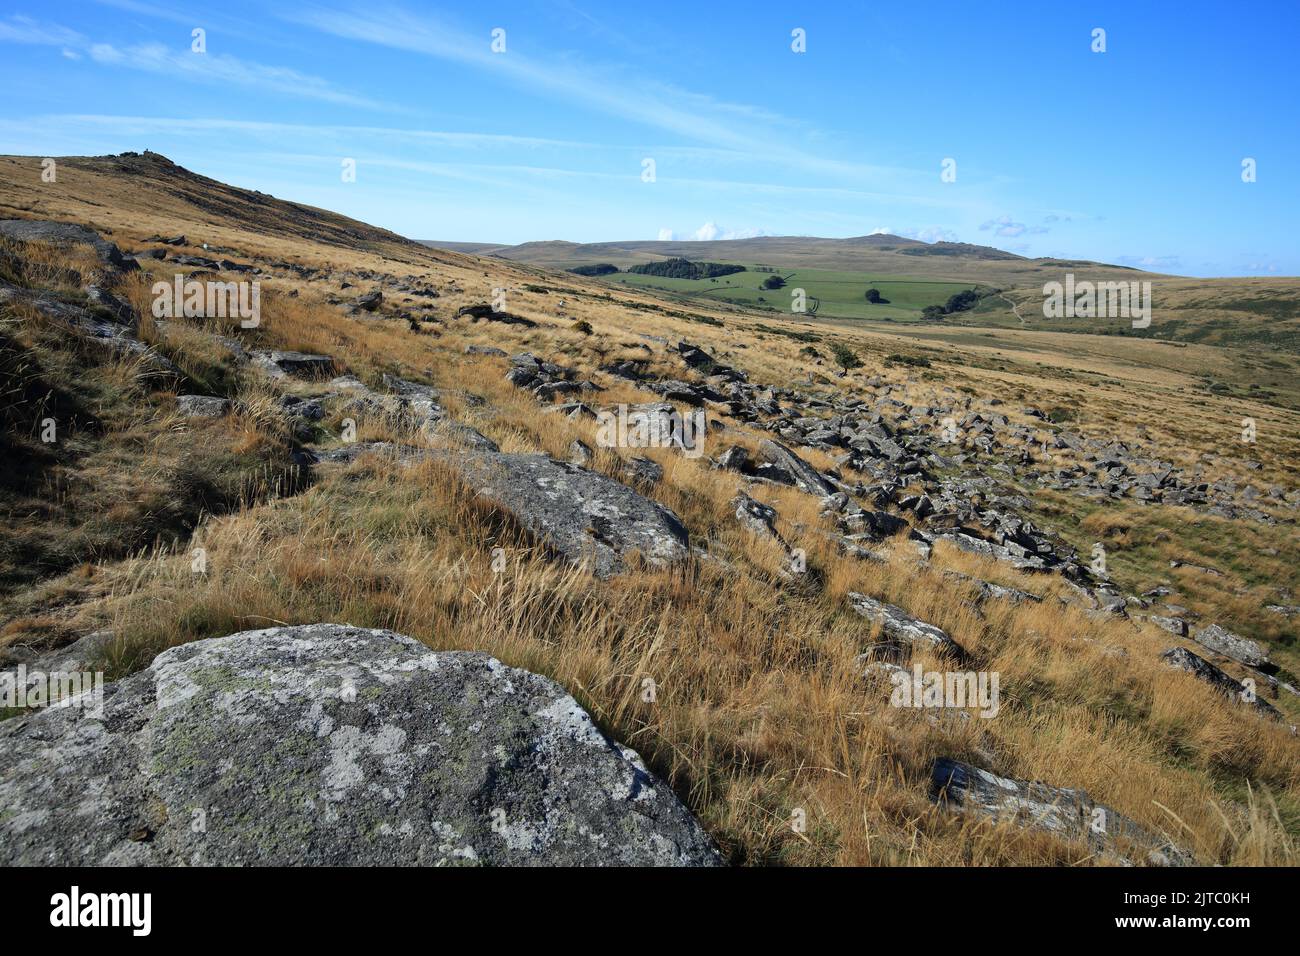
x=916, y=361
x=845, y=357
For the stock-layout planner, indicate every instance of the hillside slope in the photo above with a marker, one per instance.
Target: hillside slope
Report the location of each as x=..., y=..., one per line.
x=408, y=439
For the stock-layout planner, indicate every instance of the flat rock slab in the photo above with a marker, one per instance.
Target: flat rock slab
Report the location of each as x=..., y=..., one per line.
x=301, y=364
x=202, y=406
x=1032, y=805
x=326, y=744
x=1238, y=648
x=897, y=625
x=585, y=516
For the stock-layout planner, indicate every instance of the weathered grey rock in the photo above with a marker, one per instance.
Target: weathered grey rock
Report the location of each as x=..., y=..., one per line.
x=487, y=312
x=460, y=435
x=301, y=364
x=880, y=669
x=756, y=516
x=584, y=516
x=580, y=453
x=484, y=350
x=734, y=458
x=370, y=300
x=64, y=234
x=305, y=409
x=642, y=471
x=1067, y=812
x=878, y=525
x=987, y=590
x=1224, y=642
x=350, y=452
x=778, y=463
x=202, y=406
x=111, y=334
x=897, y=625
x=112, y=306
x=326, y=744
x=70, y=658
x=1174, y=625
x=1185, y=660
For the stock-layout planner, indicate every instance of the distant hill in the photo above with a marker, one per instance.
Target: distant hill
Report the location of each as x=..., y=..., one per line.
x=910, y=274
x=881, y=254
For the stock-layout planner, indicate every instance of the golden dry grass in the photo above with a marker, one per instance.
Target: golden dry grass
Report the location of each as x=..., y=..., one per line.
x=759, y=708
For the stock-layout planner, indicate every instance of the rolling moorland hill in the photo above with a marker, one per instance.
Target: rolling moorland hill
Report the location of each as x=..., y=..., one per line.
x=876, y=252
x=706, y=640
x=1260, y=312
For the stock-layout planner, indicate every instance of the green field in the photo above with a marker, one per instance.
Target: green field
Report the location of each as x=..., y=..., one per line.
x=841, y=294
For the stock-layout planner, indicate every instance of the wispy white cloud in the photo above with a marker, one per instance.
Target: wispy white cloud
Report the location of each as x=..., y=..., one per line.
x=1006, y=226
x=1151, y=262
x=215, y=68
x=279, y=131
x=224, y=69
x=21, y=29
x=704, y=119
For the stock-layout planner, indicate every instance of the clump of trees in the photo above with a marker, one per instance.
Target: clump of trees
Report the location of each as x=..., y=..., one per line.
x=961, y=301
x=598, y=269
x=685, y=269
x=875, y=298
x=773, y=282
x=957, y=302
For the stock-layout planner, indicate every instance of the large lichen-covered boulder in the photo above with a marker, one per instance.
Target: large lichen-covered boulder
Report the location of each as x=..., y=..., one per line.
x=326, y=744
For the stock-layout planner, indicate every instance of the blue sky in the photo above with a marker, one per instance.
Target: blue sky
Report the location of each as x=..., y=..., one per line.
x=1133, y=155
